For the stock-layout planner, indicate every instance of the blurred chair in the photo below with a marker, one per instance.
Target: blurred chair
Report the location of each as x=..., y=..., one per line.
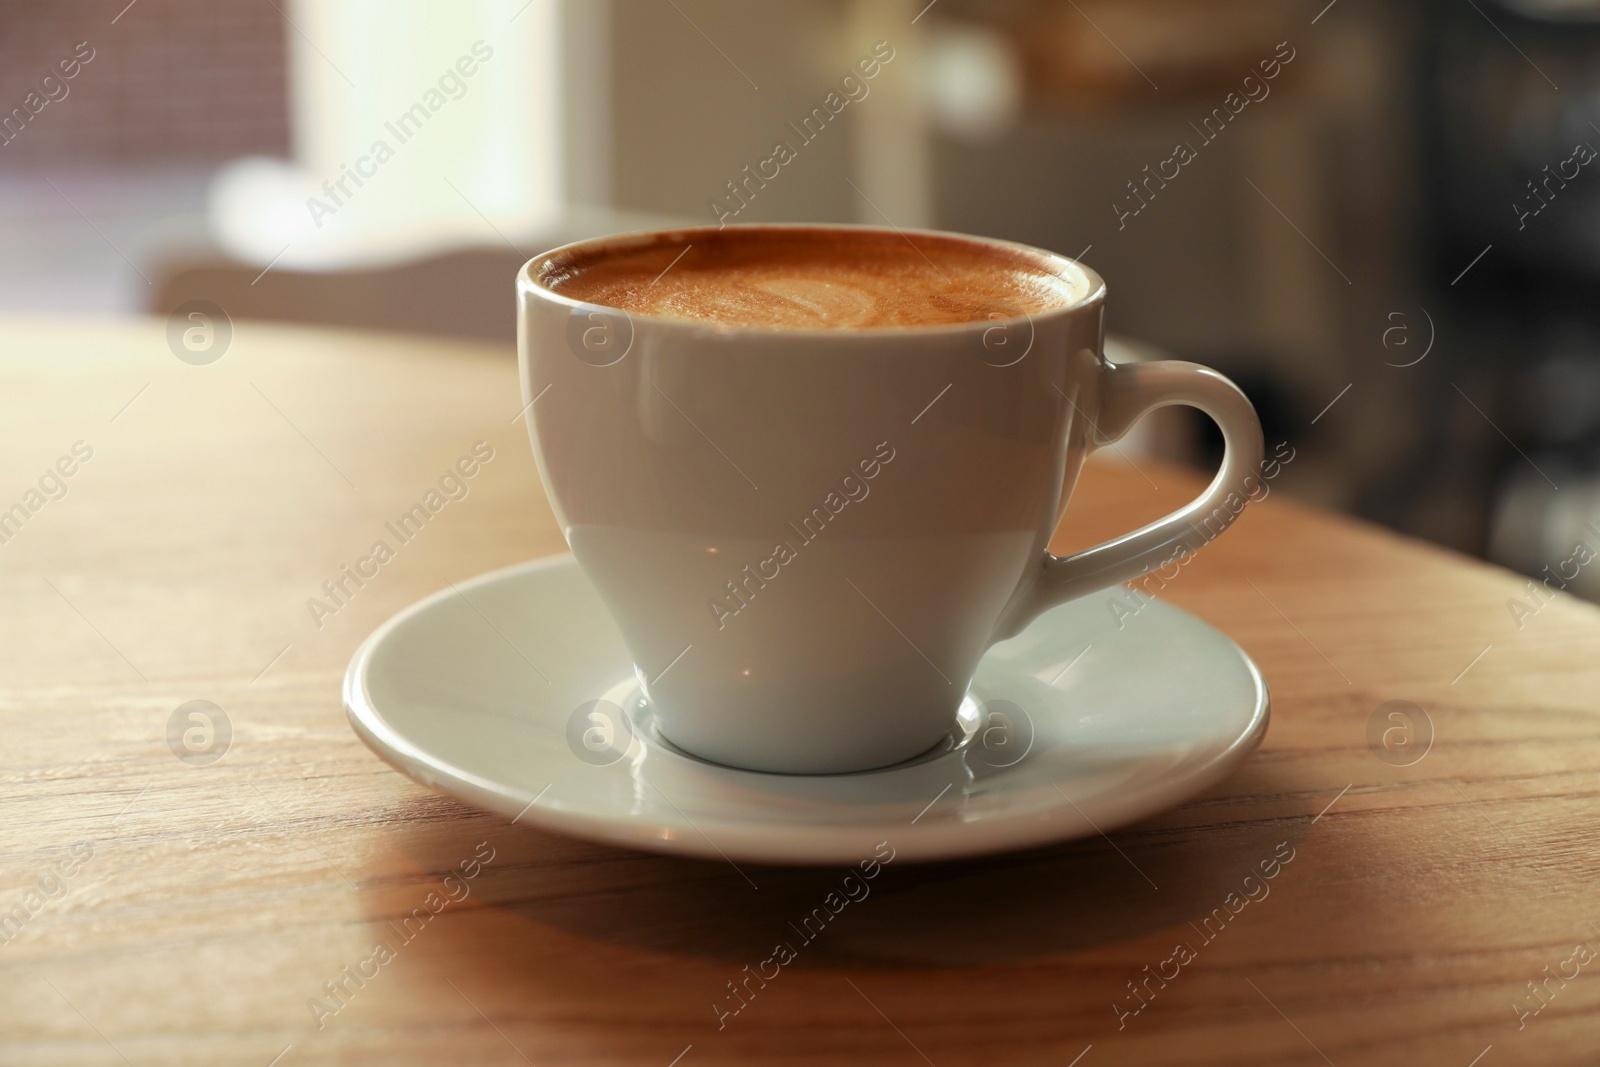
x=463, y=293
x=466, y=293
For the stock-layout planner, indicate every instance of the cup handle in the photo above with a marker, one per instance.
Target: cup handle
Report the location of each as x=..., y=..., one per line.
x=1127, y=392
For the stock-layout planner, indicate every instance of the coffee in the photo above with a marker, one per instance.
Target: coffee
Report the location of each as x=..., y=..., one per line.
x=781, y=278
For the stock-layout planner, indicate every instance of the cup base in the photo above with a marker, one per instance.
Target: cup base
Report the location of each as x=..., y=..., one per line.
x=958, y=736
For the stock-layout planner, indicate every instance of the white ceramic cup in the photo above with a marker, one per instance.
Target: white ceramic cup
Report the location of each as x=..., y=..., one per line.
x=809, y=538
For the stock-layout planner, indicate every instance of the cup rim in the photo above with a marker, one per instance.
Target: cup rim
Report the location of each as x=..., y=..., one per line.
x=1094, y=294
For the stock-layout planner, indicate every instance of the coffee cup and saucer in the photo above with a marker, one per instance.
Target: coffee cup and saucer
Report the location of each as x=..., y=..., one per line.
x=809, y=475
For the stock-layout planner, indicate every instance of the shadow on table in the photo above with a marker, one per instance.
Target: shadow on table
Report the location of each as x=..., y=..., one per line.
x=993, y=910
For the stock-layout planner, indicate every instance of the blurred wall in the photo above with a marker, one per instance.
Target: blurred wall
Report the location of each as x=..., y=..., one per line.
x=186, y=81
x=1248, y=261
x=689, y=118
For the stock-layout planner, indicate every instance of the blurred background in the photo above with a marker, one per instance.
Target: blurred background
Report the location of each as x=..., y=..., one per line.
x=1376, y=215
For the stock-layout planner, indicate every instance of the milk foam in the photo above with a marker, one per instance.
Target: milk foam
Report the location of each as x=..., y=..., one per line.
x=777, y=278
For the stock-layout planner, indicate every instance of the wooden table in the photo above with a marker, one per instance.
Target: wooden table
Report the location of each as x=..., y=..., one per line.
x=179, y=911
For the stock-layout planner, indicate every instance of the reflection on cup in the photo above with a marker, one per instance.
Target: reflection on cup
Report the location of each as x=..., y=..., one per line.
x=599, y=336
x=1003, y=336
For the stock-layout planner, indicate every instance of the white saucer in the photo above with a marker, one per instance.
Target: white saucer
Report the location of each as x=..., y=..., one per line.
x=475, y=692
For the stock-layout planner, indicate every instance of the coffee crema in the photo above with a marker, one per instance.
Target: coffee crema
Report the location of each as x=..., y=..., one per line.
x=811, y=279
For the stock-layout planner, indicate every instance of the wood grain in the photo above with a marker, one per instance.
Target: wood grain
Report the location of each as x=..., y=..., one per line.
x=207, y=905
